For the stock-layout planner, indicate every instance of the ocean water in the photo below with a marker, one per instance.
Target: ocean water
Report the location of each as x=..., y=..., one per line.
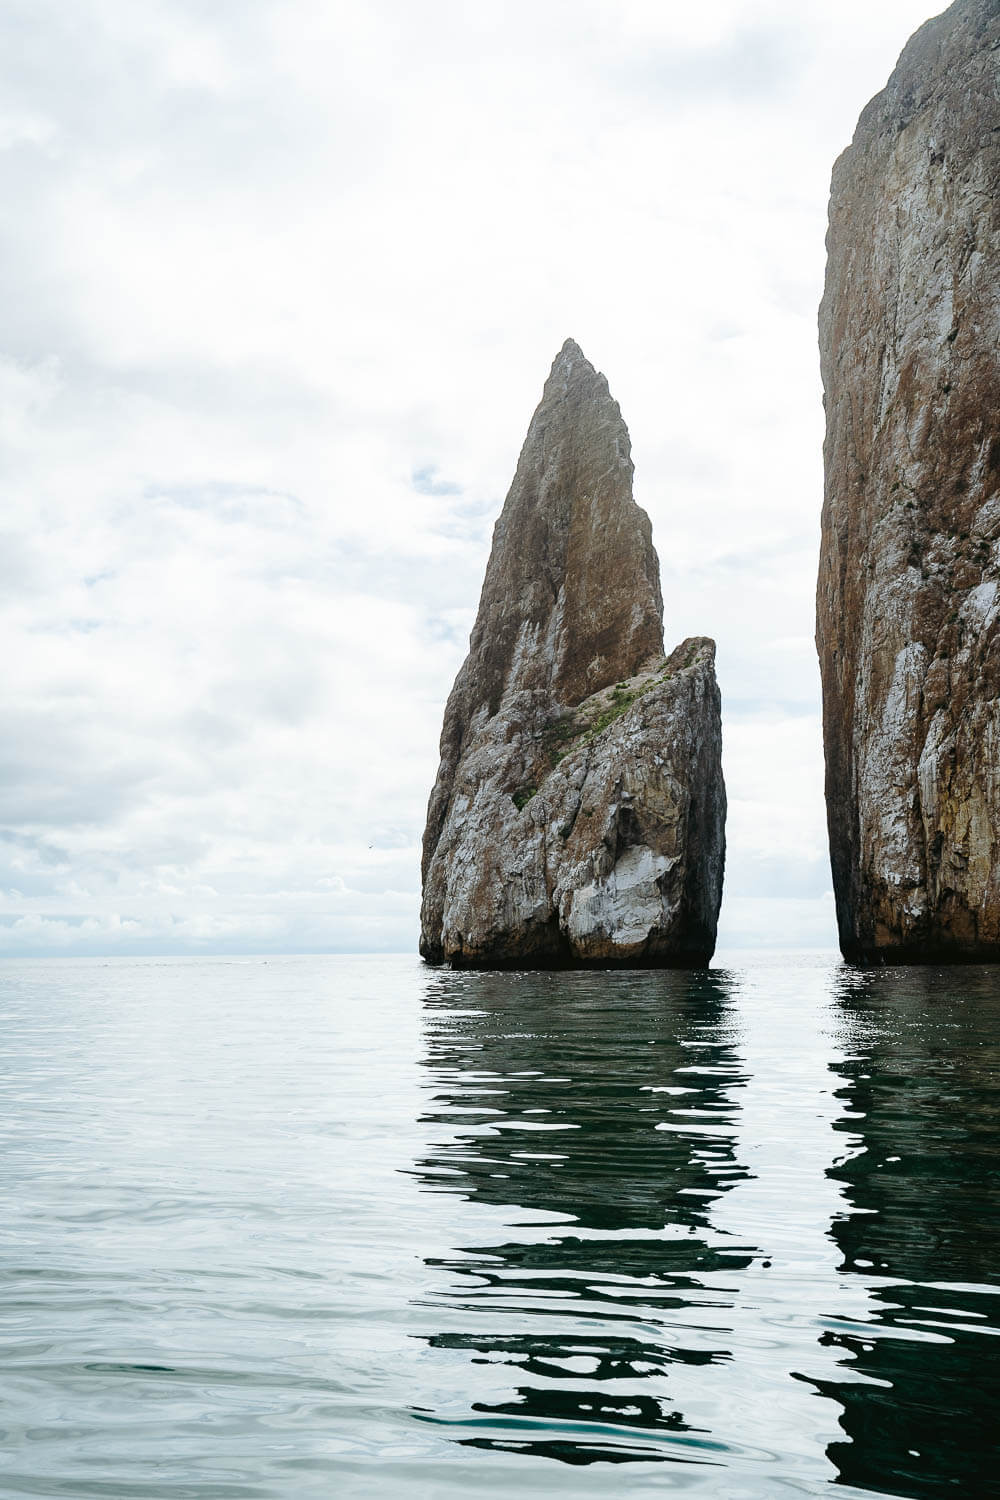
x=352, y=1227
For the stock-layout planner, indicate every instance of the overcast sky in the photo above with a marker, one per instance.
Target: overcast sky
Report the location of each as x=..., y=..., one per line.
x=282, y=282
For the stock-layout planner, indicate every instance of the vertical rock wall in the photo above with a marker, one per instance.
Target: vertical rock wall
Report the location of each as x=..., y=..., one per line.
x=908, y=614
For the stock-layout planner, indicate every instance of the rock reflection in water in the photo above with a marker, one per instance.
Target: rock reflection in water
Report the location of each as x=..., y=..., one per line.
x=921, y=1090
x=593, y=1114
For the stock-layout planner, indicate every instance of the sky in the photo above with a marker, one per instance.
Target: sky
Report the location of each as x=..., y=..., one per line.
x=282, y=281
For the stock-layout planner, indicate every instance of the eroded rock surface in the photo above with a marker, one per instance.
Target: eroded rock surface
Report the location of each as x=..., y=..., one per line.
x=578, y=816
x=907, y=603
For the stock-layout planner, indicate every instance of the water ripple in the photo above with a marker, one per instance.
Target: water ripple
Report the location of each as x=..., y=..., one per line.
x=357, y=1228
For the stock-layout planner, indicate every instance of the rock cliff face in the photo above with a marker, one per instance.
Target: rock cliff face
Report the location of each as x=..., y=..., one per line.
x=578, y=817
x=908, y=609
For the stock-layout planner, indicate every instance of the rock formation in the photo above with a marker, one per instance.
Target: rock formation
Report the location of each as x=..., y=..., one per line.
x=578, y=817
x=907, y=604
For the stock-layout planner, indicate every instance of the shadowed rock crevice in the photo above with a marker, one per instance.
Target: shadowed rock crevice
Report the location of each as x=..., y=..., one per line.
x=908, y=613
x=578, y=813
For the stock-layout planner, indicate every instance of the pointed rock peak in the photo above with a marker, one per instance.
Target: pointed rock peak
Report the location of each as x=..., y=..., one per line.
x=571, y=354
x=571, y=601
x=571, y=369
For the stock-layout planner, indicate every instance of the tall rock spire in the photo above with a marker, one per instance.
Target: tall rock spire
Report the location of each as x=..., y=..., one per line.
x=908, y=610
x=578, y=813
x=571, y=600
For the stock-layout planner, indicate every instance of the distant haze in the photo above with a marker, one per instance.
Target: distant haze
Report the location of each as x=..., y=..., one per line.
x=282, y=282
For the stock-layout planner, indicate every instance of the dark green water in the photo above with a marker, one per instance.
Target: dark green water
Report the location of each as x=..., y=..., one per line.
x=351, y=1227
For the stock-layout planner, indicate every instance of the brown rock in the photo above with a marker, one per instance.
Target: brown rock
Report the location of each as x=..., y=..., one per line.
x=907, y=599
x=578, y=813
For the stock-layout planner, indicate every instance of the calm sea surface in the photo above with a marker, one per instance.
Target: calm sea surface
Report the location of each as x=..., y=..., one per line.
x=351, y=1227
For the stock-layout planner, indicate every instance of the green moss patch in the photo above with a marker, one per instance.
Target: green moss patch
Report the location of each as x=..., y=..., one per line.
x=620, y=703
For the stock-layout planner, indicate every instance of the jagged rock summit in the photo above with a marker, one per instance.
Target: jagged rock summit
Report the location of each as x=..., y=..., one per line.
x=908, y=615
x=578, y=816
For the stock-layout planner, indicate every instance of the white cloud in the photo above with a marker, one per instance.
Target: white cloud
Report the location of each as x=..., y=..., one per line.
x=284, y=281
x=750, y=922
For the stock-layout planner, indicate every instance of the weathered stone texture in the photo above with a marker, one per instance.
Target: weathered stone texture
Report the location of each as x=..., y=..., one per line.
x=578, y=813
x=907, y=604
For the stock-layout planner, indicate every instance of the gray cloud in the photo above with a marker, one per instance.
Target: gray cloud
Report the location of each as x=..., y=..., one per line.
x=282, y=283
x=758, y=64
